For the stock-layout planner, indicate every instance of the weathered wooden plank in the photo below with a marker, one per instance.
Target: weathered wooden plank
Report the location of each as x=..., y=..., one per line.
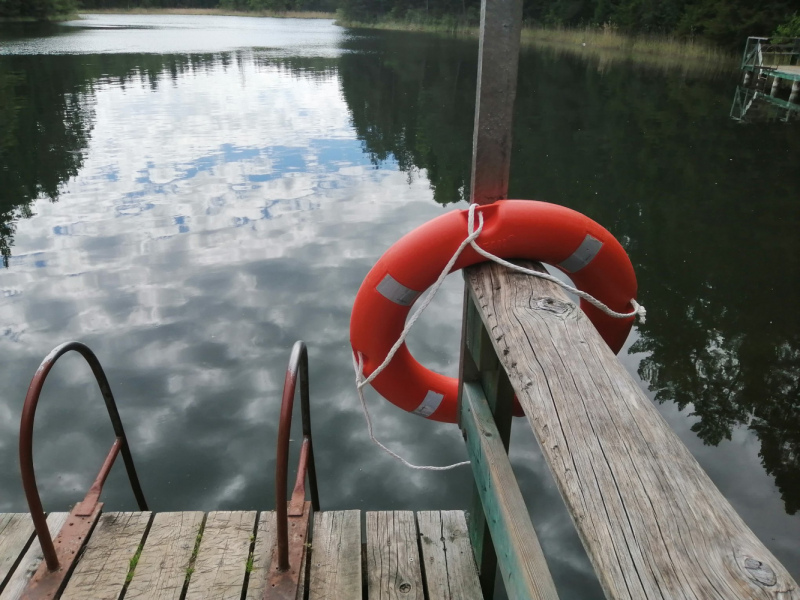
x=652, y=522
x=162, y=567
x=16, y=532
x=262, y=556
x=519, y=555
x=101, y=572
x=393, y=567
x=336, y=556
x=221, y=564
x=30, y=561
x=450, y=570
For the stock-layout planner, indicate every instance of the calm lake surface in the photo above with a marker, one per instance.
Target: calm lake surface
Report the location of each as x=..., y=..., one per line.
x=190, y=195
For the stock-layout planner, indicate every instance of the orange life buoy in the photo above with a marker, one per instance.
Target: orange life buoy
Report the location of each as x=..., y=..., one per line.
x=524, y=229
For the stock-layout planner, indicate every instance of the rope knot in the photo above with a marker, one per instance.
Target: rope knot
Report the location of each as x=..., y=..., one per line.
x=472, y=233
x=639, y=311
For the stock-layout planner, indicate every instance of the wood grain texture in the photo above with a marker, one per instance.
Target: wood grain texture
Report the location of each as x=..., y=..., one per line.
x=652, y=522
x=31, y=560
x=449, y=566
x=161, y=570
x=336, y=556
x=393, y=567
x=262, y=555
x=221, y=564
x=519, y=555
x=16, y=531
x=101, y=571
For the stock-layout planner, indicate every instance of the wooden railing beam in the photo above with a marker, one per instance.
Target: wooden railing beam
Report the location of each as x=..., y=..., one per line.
x=652, y=522
x=480, y=366
x=522, y=564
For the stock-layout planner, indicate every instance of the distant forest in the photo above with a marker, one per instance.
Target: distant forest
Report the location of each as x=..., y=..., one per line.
x=725, y=22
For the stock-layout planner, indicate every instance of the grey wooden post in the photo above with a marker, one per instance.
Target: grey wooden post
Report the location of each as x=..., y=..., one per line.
x=498, y=58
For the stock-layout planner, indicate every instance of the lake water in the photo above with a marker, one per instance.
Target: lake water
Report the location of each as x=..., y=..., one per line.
x=190, y=195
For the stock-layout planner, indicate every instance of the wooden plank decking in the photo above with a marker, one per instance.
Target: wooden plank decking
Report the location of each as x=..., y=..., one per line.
x=222, y=555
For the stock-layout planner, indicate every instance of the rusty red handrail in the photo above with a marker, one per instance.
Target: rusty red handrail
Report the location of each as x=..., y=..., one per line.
x=120, y=446
x=297, y=362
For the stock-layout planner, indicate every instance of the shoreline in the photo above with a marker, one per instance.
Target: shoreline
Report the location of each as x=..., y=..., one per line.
x=218, y=12
x=606, y=44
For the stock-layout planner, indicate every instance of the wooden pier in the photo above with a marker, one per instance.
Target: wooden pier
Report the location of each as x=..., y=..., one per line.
x=771, y=75
x=228, y=555
x=652, y=522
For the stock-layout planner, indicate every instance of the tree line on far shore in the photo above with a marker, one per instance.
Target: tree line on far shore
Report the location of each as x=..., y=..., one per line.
x=725, y=22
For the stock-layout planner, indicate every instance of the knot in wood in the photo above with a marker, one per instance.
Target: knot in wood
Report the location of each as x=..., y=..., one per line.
x=404, y=588
x=552, y=305
x=761, y=572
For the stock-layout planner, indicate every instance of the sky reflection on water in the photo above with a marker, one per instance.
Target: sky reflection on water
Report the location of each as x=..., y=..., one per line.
x=216, y=208
x=176, y=34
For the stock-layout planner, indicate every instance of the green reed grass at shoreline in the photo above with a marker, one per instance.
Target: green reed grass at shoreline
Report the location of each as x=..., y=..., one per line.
x=606, y=43
x=608, y=38
x=220, y=12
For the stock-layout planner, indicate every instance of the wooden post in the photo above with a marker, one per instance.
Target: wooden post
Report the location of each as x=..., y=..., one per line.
x=776, y=84
x=498, y=58
x=795, y=91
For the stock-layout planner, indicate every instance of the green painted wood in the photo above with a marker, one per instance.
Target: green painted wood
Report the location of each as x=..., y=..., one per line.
x=519, y=555
x=467, y=369
x=480, y=364
x=474, y=327
x=777, y=101
x=473, y=339
x=784, y=73
x=480, y=539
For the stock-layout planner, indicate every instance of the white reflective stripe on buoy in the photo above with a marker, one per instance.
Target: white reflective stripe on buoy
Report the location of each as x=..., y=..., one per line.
x=429, y=404
x=395, y=291
x=584, y=254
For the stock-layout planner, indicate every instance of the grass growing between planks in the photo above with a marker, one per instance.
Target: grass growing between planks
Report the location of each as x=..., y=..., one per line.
x=211, y=11
x=604, y=43
x=195, y=550
x=133, y=562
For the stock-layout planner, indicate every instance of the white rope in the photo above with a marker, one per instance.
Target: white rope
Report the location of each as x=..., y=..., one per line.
x=360, y=383
x=472, y=235
x=638, y=309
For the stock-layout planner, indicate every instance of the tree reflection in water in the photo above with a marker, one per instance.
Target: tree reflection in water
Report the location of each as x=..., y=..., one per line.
x=706, y=207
